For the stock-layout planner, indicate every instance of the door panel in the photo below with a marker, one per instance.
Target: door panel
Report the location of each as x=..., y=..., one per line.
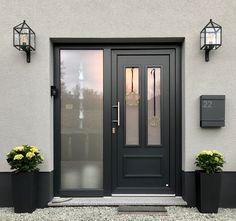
x=141, y=146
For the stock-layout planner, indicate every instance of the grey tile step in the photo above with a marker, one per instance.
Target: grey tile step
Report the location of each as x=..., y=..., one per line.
x=117, y=201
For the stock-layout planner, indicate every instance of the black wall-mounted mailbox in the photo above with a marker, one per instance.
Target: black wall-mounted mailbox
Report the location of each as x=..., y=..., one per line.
x=212, y=111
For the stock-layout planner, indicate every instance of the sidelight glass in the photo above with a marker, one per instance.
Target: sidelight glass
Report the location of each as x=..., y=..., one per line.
x=132, y=105
x=153, y=105
x=81, y=119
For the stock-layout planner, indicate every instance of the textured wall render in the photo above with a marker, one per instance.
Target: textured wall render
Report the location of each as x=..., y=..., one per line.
x=26, y=106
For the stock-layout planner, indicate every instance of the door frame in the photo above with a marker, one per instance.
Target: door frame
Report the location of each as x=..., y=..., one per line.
x=107, y=45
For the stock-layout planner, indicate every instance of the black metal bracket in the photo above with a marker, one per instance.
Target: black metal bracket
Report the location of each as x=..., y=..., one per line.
x=53, y=91
x=207, y=55
x=28, y=56
x=26, y=49
x=207, y=52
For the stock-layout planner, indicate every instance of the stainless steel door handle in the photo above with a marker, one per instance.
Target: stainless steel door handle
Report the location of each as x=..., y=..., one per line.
x=118, y=114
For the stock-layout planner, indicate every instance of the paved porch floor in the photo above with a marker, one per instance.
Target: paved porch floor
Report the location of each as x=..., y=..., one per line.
x=110, y=213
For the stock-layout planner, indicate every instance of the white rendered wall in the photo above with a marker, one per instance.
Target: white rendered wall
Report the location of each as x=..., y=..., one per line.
x=25, y=102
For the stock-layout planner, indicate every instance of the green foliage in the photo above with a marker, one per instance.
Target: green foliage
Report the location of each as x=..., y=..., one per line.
x=210, y=161
x=24, y=158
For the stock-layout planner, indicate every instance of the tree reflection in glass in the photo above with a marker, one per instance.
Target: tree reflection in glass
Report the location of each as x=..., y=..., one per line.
x=81, y=119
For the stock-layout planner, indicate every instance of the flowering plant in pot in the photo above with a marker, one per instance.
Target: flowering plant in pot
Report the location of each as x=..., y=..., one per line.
x=208, y=180
x=24, y=160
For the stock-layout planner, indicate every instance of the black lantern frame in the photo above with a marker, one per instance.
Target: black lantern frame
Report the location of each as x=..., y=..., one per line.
x=210, y=38
x=24, y=39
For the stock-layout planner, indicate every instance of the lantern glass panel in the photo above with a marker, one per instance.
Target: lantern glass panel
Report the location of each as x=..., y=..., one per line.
x=24, y=37
x=210, y=36
x=32, y=39
x=218, y=37
x=16, y=39
x=202, y=38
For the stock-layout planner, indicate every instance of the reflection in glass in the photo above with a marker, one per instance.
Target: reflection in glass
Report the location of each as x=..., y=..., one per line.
x=132, y=107
x=153, y=96
x=81, y=119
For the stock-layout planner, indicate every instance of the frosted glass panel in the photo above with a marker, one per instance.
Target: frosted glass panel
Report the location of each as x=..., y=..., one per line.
x=153, y=100
x=81, y=119
x=132, y=105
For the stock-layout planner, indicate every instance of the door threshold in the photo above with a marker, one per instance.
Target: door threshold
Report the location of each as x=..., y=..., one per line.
x=142, y=195
x=119, y=201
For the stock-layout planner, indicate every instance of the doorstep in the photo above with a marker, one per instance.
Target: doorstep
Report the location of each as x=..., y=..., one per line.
x=118, y=201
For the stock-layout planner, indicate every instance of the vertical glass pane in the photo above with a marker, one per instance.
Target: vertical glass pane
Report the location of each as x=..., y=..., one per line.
x=153, y=96
x=24, y=36
x=218, y=36
x=210, y=36
x=32, y=39
x=81, y=119
x=16, y=38
x=202, y=38
x=132, y=105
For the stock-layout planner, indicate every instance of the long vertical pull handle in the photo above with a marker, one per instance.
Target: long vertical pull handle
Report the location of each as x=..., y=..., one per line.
x=118, y=114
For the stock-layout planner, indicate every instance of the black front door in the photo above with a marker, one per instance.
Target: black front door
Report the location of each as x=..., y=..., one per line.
x=117, y=120
x=143, y=157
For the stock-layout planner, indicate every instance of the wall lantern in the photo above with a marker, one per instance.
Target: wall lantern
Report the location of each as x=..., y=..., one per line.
x=210, y=38
x=24, y=39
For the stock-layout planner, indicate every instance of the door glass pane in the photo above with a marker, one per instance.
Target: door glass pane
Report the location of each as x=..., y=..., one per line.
x=153, y=96
x=132, y=105
x=81, y=119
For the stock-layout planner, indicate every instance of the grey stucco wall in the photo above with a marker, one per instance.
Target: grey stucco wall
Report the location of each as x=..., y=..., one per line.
x=26, y=105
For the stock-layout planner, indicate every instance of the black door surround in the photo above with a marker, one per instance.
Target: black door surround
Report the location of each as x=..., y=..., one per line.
x=175, y=116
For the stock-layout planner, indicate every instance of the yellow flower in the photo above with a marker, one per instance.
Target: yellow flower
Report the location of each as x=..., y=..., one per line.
x=209, y=152
x=19, y=148
x=41, y=157
x=29, y=155
x=215, y=152
x=222, y=156
x=203, y=152
x=34, y=149
x=218, y=153
x=18, y=157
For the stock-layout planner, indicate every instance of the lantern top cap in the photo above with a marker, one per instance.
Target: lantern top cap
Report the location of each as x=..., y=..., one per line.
x=22, y=26
x=212, y=24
